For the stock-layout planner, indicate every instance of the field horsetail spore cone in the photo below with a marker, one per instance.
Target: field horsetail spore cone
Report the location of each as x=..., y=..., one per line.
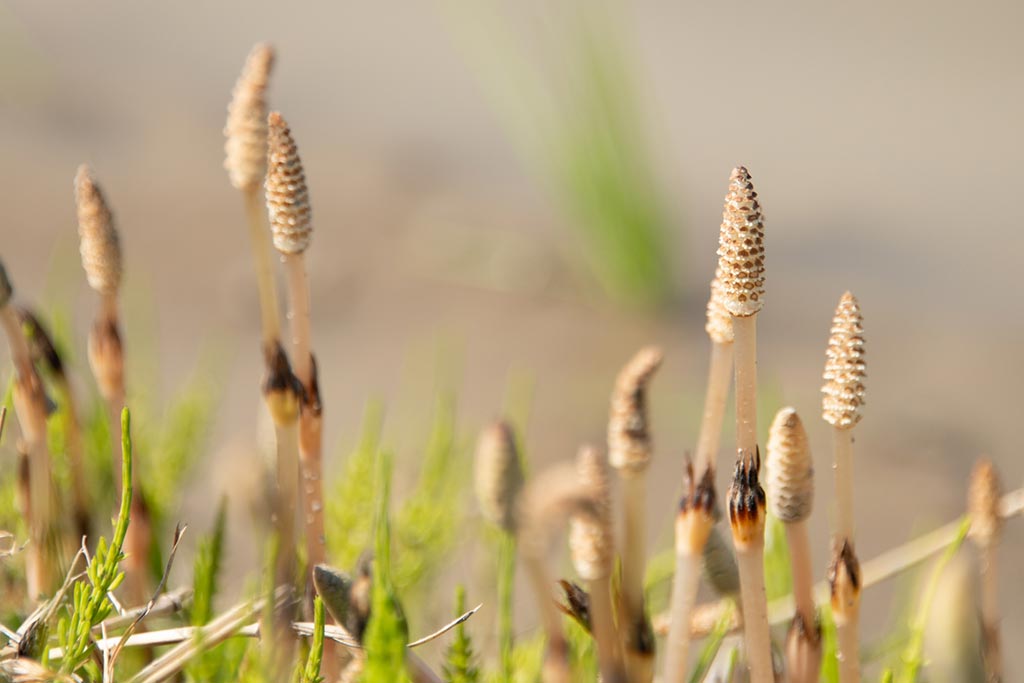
x=790, y=482
x=843, y=396
x=31, y=407
x=592, y=549
x=292, y=230
x=741, y=277
x=983, y=505
x=629, y=452
x=100, y=246
x=695, y=522
x=246, y=163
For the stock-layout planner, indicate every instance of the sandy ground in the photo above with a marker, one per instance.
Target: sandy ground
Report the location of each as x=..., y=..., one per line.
x=884, y=142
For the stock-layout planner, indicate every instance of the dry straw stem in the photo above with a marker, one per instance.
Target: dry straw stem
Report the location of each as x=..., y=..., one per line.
x=719, y=329
x=747, y=518
x=741, y=276
x=592, y=548
x=983, y=505
x=546, y=502
x=498, y=475
x=290, y=222
x=44, y=351
x=30, y=405
x=694, y=523
x=844, y=578
x=629, y=452
x=790, y=480
x=246, y=163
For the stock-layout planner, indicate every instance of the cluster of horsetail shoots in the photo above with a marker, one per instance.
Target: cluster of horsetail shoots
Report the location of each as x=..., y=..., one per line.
x=842, y=398
x=984, y=507
x=100, y=247
x=629, y=453
x=790, y=482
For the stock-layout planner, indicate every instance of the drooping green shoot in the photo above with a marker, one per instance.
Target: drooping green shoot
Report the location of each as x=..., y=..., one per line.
x=91, y=604
x=460, y=659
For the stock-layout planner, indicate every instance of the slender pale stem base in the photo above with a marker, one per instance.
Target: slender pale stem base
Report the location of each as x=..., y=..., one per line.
x=990, y=612
x=556, y=663
x=750, y=559
x=287, y=492
x=848, y=641
x=633, y=551
x=602, y=624
x=715, y=399
x=684, y=596
x=842, y=440
x=298, y=318
x=745, y=336
x=259, y=238
x=800, y=560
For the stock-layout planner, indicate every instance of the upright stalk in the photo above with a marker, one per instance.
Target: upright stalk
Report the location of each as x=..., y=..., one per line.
x=715, y=400
x=259, y=237
x=629, y=452
x=985, y=509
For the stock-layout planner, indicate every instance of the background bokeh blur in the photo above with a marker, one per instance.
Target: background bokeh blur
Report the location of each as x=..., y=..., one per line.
x=523, y=195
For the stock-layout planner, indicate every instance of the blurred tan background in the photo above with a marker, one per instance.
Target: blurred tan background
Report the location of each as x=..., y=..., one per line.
x=884, y=140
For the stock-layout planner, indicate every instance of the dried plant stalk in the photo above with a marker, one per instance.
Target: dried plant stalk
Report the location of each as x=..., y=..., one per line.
x=290, y=222
x=694, y=522
x=592, y=546
x=746, y=517
x=983, y=505
x=629, y=452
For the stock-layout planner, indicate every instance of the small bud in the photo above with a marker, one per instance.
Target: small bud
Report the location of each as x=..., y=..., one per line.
x=499, y=475
x=591, y=543
x=790, y=469
x=844, y=366
x=40, y=344
x=983, y=502
x=845, y=583
x=629, y=438
x=99, y=242
x=696, y=517
x=287, y=196
x=577, y=603
x=719, y=320
x=741, y=248
x=246, y=129
x=747, y=502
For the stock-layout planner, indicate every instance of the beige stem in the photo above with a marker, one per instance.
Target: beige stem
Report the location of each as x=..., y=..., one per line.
x=602, y=624
x=298, y=316
x=750, y=560
x=310, y=463
x=556, y=665
x=843, y=447
x=287, y=492
x=990, y=611
x=715, y=399
x=684, y=596
x=745, y=335
x=633, y=540
x=849, y=645
x=803, y=579
x=259, y=237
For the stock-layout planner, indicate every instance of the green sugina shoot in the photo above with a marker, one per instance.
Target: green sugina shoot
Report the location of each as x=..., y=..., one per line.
x=311, y=672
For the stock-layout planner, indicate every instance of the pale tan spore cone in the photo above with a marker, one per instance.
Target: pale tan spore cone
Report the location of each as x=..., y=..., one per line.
x=983, y=502
x=287, y=196
x=844, y=366
x=246, y=130
x=741, y=248
x=629, y=438
x=591, y=541
x=718, y=323
x=99, y=242
x=790, y=468
x=498, y=475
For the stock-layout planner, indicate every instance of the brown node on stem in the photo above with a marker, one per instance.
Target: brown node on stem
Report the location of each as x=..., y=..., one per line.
x=498, y=475
x=591, y=542
x=281, y=388
x=719, y=320
x=983, y=502
x=106, y=358
x=287, y=196
x=844, y=581
x=790, y=469
x=696, y=517
x=629, y=438
x=577, y=603
x=803, y=649
x=246, y=129
x=747, y=501
x=40, y=344
x=741, y=248
x=99, y=242
x=6, y=288
x=844, y=366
